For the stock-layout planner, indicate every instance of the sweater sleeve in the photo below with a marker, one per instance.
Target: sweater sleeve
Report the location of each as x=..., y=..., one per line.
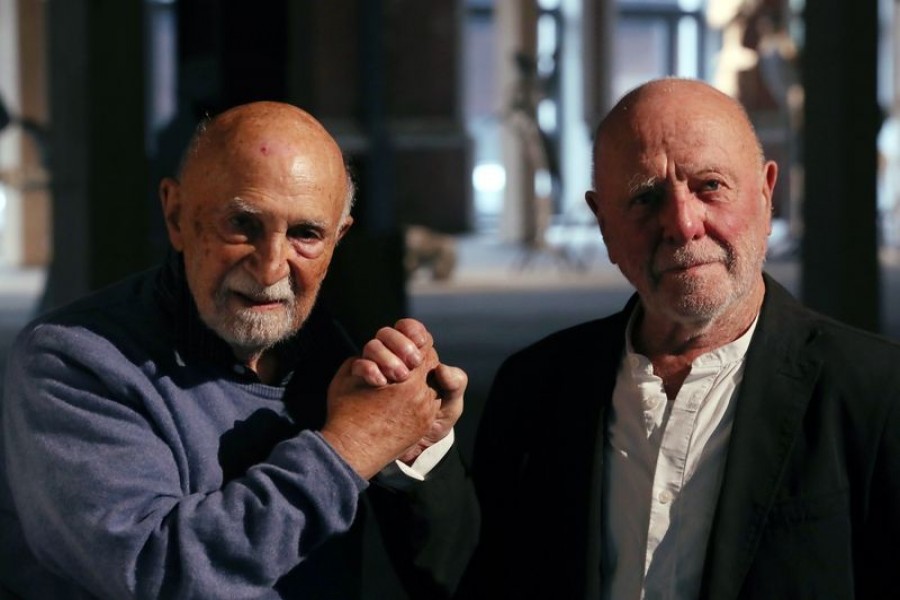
x=101, y=495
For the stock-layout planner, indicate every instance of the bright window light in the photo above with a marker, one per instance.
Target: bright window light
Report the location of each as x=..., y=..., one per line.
x=489, y=177
x=2, y=208
x=690, y=5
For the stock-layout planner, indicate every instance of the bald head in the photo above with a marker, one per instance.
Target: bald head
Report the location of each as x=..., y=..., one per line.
x=254, y=134
x=675, y=101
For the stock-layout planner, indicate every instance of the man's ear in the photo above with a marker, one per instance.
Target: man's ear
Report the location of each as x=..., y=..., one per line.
x=770, y=176
x=170, y=198
x=593, y=202
x=345, y=225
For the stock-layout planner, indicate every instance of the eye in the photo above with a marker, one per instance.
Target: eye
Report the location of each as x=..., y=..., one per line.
x=308, y=239
x=304, y=233
x=711, y=185
x=240, y=222
x=243, y=225
x=647, y=197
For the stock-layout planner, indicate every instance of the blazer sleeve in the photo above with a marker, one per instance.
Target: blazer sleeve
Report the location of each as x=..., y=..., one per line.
x=499, y=454
x=430, y=527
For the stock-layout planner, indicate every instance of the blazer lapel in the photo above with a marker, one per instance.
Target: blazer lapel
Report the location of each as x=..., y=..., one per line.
x=776, y=388
x=600, y=389
x=570, y=434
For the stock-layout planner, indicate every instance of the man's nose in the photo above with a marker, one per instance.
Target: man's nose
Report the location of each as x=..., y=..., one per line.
x=269, y=263
x=682, y=216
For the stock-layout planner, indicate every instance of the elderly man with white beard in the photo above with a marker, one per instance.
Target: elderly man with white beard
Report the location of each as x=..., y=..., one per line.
x=203, y=430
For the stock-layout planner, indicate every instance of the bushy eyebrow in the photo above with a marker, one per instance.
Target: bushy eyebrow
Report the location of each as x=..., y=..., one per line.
x=641, y=183
x=238, y=204
x=311, y=223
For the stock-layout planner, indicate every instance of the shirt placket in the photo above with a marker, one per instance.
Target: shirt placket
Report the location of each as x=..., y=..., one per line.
x=671, y=462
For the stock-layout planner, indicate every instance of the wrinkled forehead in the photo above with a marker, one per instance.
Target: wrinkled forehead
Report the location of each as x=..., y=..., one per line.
x=267, y=137
x=286, y=169
x=650, y=131
x=686, y=125
x=265, y=145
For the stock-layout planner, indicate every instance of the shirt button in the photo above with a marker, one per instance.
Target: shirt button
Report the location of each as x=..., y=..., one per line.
x=665, y=496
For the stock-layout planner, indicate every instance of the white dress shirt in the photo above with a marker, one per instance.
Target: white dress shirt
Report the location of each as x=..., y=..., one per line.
x=662, y=472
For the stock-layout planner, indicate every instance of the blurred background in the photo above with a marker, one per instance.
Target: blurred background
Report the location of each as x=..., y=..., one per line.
x=468, y=125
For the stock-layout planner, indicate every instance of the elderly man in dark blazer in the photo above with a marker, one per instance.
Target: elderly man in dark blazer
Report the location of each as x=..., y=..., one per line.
x=715, y=439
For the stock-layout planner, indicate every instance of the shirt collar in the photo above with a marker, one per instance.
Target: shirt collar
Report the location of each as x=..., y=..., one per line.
x=723, y=355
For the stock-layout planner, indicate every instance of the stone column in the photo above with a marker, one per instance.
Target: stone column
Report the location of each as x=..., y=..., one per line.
x=36, y=214
x=599, y=18
x=840, y=268
x=97, y=162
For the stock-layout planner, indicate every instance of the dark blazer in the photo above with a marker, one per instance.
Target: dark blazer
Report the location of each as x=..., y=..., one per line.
x=810, y=502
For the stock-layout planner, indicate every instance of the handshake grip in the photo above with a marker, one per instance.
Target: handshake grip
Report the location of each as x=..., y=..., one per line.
x=394, y=401
x=370, y=426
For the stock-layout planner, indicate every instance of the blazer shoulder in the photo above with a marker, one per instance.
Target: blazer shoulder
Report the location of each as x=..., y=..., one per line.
x=568, y=347
x=785, y=318
x=846, y=357
x=856, y=349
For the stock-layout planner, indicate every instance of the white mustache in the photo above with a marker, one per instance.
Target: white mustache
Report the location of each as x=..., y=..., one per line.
x=240, y=282
x=686, y=257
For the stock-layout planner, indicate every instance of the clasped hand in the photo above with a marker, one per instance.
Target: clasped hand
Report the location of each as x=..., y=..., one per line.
x=394, y=401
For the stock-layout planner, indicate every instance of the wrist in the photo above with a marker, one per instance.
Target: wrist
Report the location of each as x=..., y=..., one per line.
x=354, y=453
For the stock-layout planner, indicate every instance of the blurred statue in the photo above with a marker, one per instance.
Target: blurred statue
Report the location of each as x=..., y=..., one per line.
x=521, y=117
x=758, y=66
x=758, y=60
x=429, y=251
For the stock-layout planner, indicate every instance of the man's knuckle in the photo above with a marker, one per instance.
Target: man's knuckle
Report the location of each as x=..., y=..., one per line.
x=372, y=347
x=384, y=332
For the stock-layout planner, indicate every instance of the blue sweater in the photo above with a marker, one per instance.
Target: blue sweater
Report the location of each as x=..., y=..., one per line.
x=140, y=460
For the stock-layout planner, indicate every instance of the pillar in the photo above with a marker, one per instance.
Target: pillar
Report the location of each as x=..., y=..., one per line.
x=840, y=271
x=97, y=161
x=36, y=213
